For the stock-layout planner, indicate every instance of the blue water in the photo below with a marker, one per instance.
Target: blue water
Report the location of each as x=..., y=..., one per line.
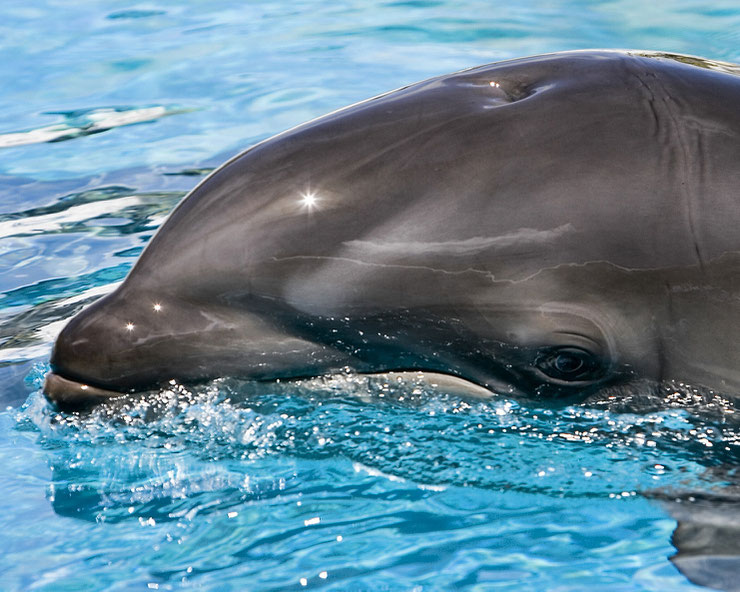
x=109, y=113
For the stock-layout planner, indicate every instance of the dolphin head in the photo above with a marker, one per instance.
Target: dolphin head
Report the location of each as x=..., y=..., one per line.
x=554, y=226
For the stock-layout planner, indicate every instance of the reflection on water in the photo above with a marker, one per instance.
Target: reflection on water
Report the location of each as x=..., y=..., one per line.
x=85, y=122
x=88, y=211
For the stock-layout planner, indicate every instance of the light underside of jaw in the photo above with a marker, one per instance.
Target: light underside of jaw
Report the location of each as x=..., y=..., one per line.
x=70, y=395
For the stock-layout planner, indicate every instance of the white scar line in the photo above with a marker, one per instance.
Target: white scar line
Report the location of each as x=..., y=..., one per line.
x=519, y=238
x=383, y=265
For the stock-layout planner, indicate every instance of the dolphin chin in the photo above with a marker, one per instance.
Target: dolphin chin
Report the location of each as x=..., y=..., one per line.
x=71, y=395
x=556, y=226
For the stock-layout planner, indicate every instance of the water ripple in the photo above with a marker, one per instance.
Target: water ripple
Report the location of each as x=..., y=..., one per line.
x=86, y=122
x=276, y=484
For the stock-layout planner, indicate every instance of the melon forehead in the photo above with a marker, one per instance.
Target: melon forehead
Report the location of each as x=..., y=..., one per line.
x=507, y=169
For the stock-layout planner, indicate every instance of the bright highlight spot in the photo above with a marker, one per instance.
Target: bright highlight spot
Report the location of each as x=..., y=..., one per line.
x=129, y=326
x=312, y=521
x=494, y=84
x=157, y=307
x=304, y=582
x=323, y=575
x=309, y=199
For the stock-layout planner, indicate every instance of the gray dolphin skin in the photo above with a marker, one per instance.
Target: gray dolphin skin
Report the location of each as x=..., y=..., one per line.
x=551, y=227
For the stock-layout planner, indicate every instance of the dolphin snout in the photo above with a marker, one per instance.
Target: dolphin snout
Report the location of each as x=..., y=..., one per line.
x=84, y=359
x=70, y=395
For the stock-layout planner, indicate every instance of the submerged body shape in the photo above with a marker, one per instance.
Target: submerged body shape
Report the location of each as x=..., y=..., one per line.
x=554, y=226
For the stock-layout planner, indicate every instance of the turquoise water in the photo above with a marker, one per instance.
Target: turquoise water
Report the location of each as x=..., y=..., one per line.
x=109, y=113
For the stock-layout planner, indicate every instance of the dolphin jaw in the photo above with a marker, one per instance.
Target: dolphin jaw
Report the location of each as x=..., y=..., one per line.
x=70, y=395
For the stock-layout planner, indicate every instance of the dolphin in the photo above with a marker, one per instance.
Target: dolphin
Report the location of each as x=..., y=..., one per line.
x=558, y=227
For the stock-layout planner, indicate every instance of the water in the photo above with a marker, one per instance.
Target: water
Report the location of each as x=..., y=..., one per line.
x=109, y=113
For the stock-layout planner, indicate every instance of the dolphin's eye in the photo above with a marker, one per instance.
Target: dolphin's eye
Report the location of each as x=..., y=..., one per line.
x=569, y=364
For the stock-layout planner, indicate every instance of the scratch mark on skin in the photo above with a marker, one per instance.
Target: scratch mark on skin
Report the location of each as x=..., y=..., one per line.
x=385, y=265
x=487, y=274
x=482, y=272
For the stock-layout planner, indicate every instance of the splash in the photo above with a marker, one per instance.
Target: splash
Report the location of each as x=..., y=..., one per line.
x=167, y=449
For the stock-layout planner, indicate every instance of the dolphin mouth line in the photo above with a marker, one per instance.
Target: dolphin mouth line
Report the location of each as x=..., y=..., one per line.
x=71, y=395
